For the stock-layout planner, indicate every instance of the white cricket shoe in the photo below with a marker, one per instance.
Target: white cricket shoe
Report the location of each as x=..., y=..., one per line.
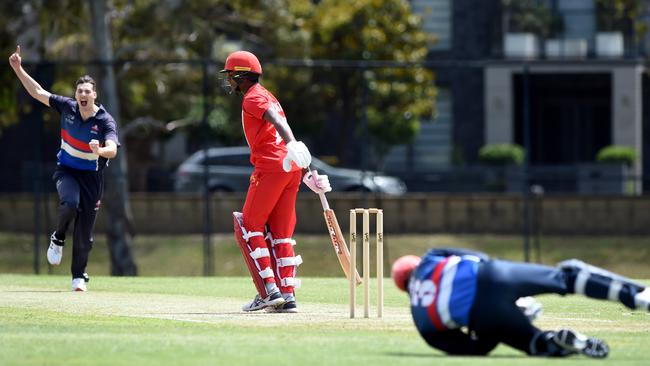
x=260, y=303
x=288, y=307
x=55, y=251
x=573, y=341
x=79, y=284
x=642, y=299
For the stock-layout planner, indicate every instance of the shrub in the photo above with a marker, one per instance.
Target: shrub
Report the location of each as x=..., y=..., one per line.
x=501, y=154
x=617, y=154
x=532, y=16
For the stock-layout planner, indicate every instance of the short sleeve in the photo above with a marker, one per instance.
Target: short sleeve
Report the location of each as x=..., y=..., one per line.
x=256, y=105
x=110, y=130
x=59, y=103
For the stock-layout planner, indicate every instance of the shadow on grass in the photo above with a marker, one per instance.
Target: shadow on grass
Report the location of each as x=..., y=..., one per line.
x=438, y=355
x=36, y=291
x=221, y=313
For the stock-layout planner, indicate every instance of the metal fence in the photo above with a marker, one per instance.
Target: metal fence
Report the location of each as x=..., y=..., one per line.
x=163, y=121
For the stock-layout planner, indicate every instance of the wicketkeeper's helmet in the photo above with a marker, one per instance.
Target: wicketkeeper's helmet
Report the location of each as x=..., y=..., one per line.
x=402, y=269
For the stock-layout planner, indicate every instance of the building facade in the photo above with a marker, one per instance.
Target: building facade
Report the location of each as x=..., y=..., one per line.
x=575, y=79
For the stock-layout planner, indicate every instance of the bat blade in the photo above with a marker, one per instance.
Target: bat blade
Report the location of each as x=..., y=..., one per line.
x=340, y=247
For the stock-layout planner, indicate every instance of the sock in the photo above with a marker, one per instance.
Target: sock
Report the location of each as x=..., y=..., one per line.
x=58, y=235
x=271, y=288
x=289, y=296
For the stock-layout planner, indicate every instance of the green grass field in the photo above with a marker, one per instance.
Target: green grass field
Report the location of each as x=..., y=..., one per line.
x=197, y=321
x=182, y=255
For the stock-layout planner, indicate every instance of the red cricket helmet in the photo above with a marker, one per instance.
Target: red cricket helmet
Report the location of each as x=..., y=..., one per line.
x=242, y=61
x=402, y=269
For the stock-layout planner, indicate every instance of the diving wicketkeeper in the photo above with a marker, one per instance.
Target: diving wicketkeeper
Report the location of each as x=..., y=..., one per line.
x=465, y=303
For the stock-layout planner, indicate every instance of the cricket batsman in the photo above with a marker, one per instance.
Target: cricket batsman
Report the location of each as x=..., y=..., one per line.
x=465, y=303
x=265, y=228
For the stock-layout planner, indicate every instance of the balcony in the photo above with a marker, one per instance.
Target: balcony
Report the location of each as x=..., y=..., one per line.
x=573, y=29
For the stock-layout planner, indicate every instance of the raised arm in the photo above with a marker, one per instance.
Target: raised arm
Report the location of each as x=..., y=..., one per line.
x=33, y=88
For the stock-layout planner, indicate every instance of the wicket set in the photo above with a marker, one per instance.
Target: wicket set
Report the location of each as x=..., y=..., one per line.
x=379, y=213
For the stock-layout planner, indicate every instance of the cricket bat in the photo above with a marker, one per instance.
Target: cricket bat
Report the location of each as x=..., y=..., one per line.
x=336, y=236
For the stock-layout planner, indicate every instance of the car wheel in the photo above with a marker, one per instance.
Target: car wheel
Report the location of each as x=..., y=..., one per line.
x=358, y=189
x=220, y=189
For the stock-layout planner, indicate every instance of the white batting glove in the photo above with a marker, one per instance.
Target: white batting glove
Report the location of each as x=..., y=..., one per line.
x=298, y=153
x=317, y=183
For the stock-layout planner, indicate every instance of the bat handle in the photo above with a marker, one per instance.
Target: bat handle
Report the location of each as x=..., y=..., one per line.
x=323, y=201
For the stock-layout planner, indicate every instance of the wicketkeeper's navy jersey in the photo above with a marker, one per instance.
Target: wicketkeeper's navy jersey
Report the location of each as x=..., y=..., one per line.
x=77, y=133
x=442, y=291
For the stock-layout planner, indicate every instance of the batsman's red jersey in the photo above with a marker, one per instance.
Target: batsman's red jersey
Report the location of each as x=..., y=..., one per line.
x=267, y=147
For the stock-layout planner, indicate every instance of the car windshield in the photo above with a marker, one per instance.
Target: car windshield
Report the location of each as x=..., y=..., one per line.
x=230, y=160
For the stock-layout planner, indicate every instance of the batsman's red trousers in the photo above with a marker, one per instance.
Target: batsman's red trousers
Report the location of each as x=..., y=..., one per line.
x=271, y=201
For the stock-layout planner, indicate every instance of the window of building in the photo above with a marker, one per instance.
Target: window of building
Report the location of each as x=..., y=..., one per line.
x=436, y=16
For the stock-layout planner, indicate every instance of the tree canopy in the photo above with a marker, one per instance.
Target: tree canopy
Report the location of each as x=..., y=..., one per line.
x=148, y=34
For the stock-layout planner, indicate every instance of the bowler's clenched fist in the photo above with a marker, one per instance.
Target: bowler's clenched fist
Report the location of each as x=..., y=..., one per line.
x=94, y=146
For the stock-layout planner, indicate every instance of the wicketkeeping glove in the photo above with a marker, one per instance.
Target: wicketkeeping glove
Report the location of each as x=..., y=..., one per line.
x=317, y=183
x=298, y=153
x=530, y=307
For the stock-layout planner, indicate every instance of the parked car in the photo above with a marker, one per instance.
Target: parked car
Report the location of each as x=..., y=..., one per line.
x=230, y=169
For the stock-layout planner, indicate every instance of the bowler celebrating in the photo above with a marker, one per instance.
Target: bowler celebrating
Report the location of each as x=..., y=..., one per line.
x=88, y=140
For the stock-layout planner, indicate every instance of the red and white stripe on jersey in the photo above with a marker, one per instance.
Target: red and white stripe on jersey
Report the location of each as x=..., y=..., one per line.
x=443, y=277
x=76, y=148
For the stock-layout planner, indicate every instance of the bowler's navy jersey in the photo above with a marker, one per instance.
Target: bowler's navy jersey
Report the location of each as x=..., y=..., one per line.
x=77, y=133
x=442, y=291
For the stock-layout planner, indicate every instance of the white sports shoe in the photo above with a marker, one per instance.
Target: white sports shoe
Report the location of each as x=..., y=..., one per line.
x=642, y=299
x=573, y=341
x=260, y=303
x=287, y=307
x=79, y=284
x=55, y=251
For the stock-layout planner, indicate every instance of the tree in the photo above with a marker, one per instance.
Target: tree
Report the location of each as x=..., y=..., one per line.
x=153, y=92
x=120, y=229
x=8, y=103
x=398, y=98
x=40, y=27
x=622, y=15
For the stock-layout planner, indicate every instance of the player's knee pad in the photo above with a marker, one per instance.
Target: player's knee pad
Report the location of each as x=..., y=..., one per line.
x=572, y=265
x=595, y=282
x=254, y=257
x=285, y=262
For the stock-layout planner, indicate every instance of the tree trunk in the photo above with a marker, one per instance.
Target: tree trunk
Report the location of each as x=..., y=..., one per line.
x=119, y=230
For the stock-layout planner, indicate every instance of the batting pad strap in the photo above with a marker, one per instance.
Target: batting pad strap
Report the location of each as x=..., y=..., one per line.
x=290, y=281
x=259, y=253
x=267, y=273
x=282, y=241
x=289, y=261
x=248, y=235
